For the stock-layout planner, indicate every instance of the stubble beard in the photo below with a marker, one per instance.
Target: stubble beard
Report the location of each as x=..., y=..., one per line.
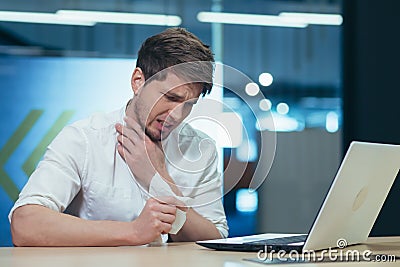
x=139, y=110
x=151, y=136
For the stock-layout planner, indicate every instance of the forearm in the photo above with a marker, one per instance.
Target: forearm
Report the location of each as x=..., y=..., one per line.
x=34, y=225
x=196, y=228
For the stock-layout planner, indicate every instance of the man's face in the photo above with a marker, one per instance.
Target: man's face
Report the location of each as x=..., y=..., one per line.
x=162, y=105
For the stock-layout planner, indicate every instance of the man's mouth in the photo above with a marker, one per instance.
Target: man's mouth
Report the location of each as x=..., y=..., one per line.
x=163, y=125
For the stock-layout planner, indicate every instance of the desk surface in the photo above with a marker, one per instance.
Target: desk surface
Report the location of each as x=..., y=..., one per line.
x=174, y=254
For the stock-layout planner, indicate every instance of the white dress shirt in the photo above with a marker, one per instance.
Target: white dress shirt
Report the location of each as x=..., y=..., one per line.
x=82, y=174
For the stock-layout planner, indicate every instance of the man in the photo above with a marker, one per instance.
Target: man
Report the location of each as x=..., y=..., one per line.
x=123, y=178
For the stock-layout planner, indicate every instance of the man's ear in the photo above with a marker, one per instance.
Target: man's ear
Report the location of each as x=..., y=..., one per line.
x=137, y=80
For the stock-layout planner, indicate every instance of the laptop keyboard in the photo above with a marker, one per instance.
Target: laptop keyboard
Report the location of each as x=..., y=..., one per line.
x=281, y=240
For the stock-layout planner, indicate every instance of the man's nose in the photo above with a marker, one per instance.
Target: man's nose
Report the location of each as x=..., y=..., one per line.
x=177, y=113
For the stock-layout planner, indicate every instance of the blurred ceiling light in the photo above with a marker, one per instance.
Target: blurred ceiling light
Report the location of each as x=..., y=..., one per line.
x=122, y=18
x=248, y=19
x=332, y=122
x=246, y=201
x=313, y=18
x=45, y=18
x=279, y=123
x=282, y=108
x=252, y=89
x=265, y=79
x=247, y=151
x=265, y=104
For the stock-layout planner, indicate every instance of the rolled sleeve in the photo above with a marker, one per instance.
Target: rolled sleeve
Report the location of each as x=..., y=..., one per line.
x=205, y=197
x=57, y=179
x=207, y=200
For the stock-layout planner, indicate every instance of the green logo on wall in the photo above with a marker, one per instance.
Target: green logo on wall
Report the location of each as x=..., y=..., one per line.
x=17, y=137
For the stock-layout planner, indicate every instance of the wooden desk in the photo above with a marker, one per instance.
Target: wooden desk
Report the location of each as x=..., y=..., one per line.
x=174, y=254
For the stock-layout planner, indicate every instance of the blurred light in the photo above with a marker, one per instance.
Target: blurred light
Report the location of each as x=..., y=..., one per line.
x=122, y=18
x=265, y=79
x=329, y=103
x=265, y=104
x=229, y=129
x=247, y=151
x=279, y=123
x=332, y=122
x=314, y=18
x=265, y=123
x=248, y=19
x=252, y=89
x=316, y=119
x=46, y=18
x=225, y=128
x=246, y=200
x=282, y=108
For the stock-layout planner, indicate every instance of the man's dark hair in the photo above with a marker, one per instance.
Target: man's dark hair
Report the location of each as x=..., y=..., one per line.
x=176, y=46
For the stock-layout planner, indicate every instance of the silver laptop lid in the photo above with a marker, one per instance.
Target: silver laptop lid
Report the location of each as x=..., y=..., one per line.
x=356, y=196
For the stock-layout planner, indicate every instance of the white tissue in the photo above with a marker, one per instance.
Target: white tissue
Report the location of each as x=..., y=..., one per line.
x=180, y=218
x=158, y=188
x=159, y=241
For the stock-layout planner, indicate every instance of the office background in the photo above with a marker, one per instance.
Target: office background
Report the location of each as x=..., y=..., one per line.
x=324, y=85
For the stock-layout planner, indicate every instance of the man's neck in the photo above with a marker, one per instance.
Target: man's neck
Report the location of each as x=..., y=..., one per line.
x=130, y=109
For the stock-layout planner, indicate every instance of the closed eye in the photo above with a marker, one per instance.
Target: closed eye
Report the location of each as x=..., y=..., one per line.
x=180, y=99
x=191, y=103
x=173, y=98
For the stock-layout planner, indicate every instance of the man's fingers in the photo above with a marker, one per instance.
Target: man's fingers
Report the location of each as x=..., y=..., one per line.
x=167, y=218
x=135, y=127
x=126, y=132
x=127, y=137
x=166, y=228
x=134, y=132
x=121, y=151
x=120, y=129
x=162, y=206
x=168, y=209
x=126, y=143
x=171, y=201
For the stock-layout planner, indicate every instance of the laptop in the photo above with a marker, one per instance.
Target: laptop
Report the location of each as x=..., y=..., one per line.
x=348, y=212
